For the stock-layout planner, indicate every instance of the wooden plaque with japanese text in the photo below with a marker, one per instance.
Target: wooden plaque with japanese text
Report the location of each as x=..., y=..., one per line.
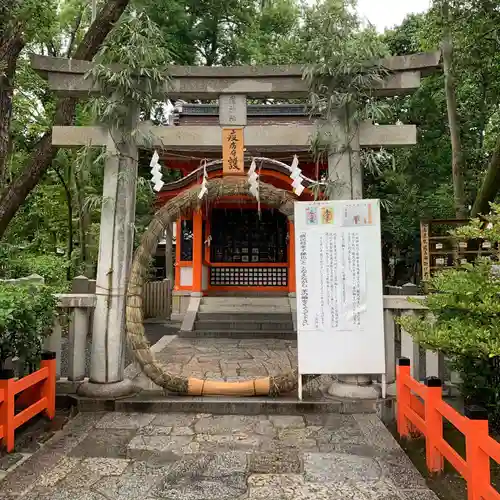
x=233, y=151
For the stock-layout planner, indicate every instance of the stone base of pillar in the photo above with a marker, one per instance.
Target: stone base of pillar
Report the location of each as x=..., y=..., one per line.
x=391, y=389
x=354, y=387
x=114, y=390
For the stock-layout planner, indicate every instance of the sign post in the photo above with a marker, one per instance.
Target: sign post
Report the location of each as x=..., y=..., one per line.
x=340, y=319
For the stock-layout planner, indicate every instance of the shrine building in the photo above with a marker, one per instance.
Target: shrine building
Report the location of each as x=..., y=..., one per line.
x=246, y=246
x=231, y=245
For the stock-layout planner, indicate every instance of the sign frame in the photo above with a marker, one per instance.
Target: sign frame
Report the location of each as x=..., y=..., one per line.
x=233, y=151
x=340, y=316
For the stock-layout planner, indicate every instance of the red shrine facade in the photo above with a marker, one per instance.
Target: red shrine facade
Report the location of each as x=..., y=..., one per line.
x=229, y=245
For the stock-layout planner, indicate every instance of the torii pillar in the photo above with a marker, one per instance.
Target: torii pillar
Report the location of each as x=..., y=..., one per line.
x=115, y=257
x=346, y=173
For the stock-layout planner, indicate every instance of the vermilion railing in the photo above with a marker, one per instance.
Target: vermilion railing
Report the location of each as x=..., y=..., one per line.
x=39, y=394
x=421, y=409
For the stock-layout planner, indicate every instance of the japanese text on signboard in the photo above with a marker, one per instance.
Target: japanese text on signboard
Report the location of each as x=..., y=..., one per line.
x=303, y=278
x=332, y=269
x=233, y=151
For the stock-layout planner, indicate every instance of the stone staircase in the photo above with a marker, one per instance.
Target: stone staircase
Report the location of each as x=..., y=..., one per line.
x=244, y=317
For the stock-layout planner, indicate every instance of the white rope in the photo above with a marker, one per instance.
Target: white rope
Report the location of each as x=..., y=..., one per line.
x=271, y=161
x=204, y=182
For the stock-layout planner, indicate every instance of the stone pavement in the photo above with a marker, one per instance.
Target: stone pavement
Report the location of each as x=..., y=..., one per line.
x=119, y=456
x=225, y=359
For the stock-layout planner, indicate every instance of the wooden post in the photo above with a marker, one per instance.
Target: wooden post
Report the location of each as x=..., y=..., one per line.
x=7, y=408
x=197, y=251
x=169, y=275
x=178, y=238
x=478, y=461
x=49, y=384
x=403, y=396
x=434, y=424
x=291, y=257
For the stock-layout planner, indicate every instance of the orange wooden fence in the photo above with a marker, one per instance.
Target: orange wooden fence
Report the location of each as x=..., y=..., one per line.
x=41, y=388
x=421, y=409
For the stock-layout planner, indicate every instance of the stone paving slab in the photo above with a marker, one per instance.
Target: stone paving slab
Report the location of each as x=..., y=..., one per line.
x=230, y=359
x=126, y=456
x=225, y=359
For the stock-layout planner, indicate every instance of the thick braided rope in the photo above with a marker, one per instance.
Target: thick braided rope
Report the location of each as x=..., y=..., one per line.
x=182, y=204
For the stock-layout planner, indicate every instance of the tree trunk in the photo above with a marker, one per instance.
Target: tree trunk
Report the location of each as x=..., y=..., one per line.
x=84, y=223
x=490, y=186
x=10, y=48
x=69, y=203
x=458, y=165
x=41, y=159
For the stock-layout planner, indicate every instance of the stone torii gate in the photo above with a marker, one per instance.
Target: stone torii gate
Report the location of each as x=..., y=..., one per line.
x=232, y=86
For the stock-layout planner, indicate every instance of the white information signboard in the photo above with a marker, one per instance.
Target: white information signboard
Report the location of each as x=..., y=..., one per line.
x=340, y=318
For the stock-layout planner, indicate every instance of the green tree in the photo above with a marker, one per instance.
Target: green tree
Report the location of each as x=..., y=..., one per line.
x=61, y=217
x=472, y=30
x=225, y=32
x=421, y=184
x=17, y=25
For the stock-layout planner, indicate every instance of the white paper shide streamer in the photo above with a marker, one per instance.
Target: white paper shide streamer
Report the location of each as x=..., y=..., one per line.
x=296, y=176
x=253, y=180
x=204, y=189
x=156, y=175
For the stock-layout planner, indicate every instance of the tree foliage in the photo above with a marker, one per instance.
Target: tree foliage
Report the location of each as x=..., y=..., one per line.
x=26, y=316
x=43, y=153
x=464, y=319
x=225, y=32
x=61, y=217
x=420, y=186
x=465, y=311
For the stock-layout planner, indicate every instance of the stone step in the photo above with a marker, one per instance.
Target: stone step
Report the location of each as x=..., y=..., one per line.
x=257, y=301
x=240, y=334
x=247, y=293
x=157, y=402
x=250, y=324
x=245, y=316
x=244, y=308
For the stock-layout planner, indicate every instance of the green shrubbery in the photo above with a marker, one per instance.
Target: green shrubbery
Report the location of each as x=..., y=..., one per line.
x=464, y=322
x=19, y=264
x=26, y=317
